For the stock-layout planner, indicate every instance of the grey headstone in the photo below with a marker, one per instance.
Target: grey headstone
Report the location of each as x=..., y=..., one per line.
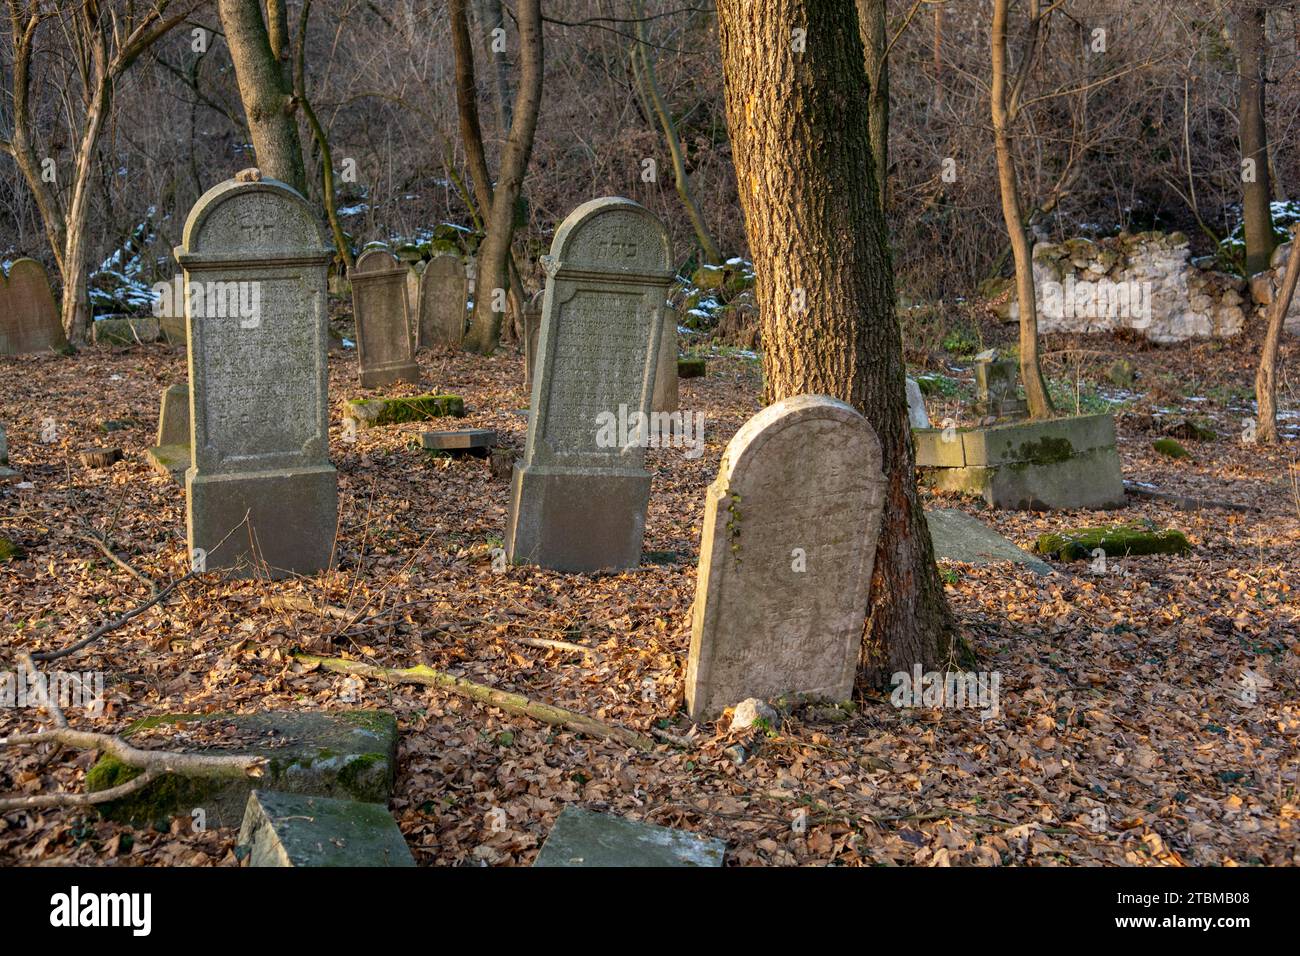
x=959, y=537
x=443, y=288
x=786, y=556
x=577, y=500
x=385, y=334
x=261, y=492
x=29, y=313
x=348, y=754
x=666, y=393
x=582, y=838
x=288, y=829
x=996, y=388
x=5, y=471
x=171, y=456
x=917, y=416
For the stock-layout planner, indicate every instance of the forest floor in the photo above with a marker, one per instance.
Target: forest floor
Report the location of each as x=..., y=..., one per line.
x=1124, y=734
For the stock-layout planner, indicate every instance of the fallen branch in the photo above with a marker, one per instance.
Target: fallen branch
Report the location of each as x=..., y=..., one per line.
x=1185, y=502
x=511, y=703
x=102, y=545
x=115, y=623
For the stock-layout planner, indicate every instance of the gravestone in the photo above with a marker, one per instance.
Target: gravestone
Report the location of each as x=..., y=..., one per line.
x=583, y=838
x=578, y=497
x=532, y=332
x=29, y=314
x=997, y=387
x=385, y=337
x=959, y=537
x=291, y=829
x=5, y=471
x=666, y=394
x=786, y=554
x=262, y=494
x=917, y=416
x=171, y=456
x=443, y=288
x=413, y=272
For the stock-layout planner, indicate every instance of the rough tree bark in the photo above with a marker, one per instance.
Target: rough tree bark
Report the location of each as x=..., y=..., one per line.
x=1266, y=377
x=494, y=254
x=491, y=20
x=1005, y=106
x=1256, y=193
x=265, y=88
x=100, y=50
x=875, y=44
x=802, y=149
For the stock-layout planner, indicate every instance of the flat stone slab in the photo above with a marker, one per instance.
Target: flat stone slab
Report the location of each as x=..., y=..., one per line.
x=466, y=440
x=380, y=412
x=583, y=838
x=959, y=537
x=345, y=754
x=287, y=829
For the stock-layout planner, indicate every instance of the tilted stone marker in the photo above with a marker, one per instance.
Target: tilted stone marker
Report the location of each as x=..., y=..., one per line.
x=385, y=336
x=171, y=456
x=287, y=829
x=582, y=838
x=786, y=554
x=443, y=288
x=997, y=387
x=917, y=416
x=29, y=313
x=532, y=333
x=666, y=397
x=577, y=499
x=259, y=412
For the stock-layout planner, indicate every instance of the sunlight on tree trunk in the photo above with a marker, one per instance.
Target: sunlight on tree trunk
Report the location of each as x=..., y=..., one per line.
x=1266, y=377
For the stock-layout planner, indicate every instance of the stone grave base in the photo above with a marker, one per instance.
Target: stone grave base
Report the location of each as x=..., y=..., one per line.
x=291, y=520
x=478, y=442
x=379, y=377
x=171, y=461
x=284, y=829
x=569, y=520
x=1064, y=463
x=348, y=754
x=581, y=838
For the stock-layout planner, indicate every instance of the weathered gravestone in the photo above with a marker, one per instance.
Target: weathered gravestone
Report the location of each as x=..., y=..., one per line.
x=532, y=334
x=385, y=338
x=789, y=541
x=583, y=838
x=443, y=288
x=171, y=456
x=290, y=829
x=578, y=497
x=260, y=488
x=5, y=471
x=29, y=314
x=996, y=387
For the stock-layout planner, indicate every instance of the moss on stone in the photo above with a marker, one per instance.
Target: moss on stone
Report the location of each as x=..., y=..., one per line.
x=1116, y=541
x=1048, y=450
x=1170, y=448
x=10, y=551
x=691, y=368
x=377, y=412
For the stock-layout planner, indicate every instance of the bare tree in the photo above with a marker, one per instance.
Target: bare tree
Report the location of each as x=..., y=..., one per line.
x=1266, y=377
x=793, y=71
x=1256, y=193
x=104, y=43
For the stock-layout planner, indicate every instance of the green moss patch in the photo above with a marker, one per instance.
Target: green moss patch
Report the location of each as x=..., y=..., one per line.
x=1170, y=448
x=378, y=412
x=10, y=551
x=1116, y=541
x=691, y=368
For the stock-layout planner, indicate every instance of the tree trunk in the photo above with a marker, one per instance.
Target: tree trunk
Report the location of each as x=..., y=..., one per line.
x=1256, y=192
x=801, y=144
x=494, y=254
x=646, y=76
x=1031, y=373
x=490, y=19
x=875, y=43
x=1266, y=377
x=265, y=90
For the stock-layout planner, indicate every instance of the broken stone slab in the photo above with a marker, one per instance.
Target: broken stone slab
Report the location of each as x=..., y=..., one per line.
x=1116, y=541
x=1059, y=463
x=468, y=441
x=584, y=838
x=346, y=754
x=378, y=412
x=959, y=537
x=289, y=829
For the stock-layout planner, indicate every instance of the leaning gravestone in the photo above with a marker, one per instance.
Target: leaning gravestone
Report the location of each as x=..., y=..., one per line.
x=666, y=397
x=29, y=314
x=443, y=288
x=171, y=456
x=578, y=497
x=786, y=557
x=385, y=338
x=260, y=488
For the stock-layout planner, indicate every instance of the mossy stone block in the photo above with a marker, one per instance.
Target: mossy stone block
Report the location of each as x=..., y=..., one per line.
x=691, y=367
x=346, y=754
x=378, y=412
x=289, y=829
x=1170, y=448
x=1117, y=541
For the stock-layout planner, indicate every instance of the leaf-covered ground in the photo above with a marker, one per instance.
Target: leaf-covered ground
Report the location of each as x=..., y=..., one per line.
x=1125, y=734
